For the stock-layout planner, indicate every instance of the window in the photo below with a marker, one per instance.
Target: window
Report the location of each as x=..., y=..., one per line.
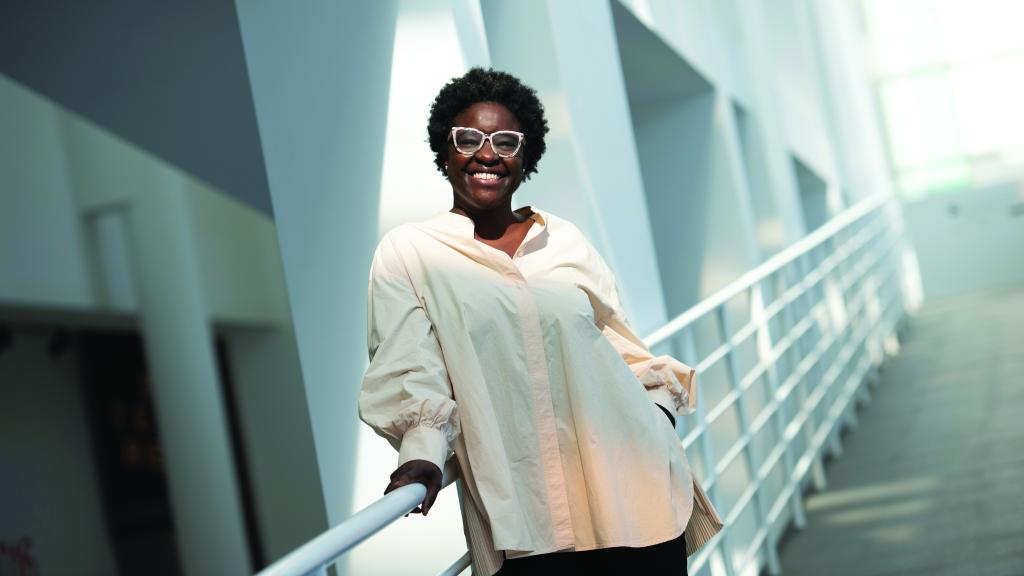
x=950, y=80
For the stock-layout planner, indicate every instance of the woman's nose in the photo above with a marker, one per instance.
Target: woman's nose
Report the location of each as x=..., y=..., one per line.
x=486, y=153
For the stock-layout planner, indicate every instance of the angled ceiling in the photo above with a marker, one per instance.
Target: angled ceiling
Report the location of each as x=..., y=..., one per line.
x=168, y=77
x=654, y=71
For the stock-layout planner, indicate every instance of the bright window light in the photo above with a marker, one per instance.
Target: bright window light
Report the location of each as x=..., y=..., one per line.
x=917, y=110
x=950, y=80
x=988, y=96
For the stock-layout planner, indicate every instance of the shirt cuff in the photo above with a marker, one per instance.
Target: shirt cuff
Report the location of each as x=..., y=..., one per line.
x=662, y=397
x=424, y=443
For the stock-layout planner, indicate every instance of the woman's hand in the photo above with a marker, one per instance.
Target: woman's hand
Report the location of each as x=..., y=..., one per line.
x=422, y=471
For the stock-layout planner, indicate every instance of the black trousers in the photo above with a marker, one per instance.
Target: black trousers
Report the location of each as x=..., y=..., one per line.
x=666, y=558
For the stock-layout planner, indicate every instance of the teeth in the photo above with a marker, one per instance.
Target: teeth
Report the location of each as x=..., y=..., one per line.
x=485, y=176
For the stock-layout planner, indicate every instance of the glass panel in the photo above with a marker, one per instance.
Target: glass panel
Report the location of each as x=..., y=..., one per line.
x=988, y=95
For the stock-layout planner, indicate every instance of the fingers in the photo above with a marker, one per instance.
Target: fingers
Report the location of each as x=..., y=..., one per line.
x=422, y=472
x=400, y=478
x=421, y=509
x=433, y=485
x=396, y=484
x=428, y=500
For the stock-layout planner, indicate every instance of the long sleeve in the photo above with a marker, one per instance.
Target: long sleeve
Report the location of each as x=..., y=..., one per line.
x=670, y=383
x=406, y=395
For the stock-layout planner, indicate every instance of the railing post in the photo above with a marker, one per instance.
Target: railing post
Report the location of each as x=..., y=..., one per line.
x=764, y=350
x=840, y=329
x=708, y=453
x=732, y=371
x=814, y=373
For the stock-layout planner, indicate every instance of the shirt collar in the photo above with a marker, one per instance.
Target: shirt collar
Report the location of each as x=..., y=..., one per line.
x=463, y=225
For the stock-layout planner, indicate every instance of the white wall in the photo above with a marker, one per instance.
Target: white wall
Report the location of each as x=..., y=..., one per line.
x=42, y=260
x=968, y=240
x=854, y=120
x=701, y=229
x=49, y=489
x=769, y=228
x=798, y=84
x=239, y=260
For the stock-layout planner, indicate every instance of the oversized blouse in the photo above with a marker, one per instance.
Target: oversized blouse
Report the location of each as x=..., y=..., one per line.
x=526, y=369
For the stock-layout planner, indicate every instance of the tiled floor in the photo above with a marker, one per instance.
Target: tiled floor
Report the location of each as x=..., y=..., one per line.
x=932, y=480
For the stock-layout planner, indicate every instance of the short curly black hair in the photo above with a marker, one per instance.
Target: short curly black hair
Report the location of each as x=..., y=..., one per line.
x=488, y=85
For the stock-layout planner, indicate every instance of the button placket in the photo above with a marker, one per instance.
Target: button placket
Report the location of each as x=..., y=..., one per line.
x=551, y=453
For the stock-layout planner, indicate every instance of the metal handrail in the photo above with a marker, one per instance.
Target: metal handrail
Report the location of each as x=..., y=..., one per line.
x=769, y=266
x=314, y=556
x=325, y=548
x=827, y=375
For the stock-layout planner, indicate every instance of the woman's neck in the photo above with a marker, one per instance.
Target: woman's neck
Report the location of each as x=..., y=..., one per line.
x=491, y=223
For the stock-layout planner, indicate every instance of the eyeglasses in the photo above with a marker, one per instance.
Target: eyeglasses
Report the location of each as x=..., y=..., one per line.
x=505, y=143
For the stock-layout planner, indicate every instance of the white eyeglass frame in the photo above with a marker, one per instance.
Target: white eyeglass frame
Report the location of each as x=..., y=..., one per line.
x=486, y=138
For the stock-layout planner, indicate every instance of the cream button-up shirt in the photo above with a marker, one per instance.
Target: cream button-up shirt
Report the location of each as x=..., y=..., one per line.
x=526, y=369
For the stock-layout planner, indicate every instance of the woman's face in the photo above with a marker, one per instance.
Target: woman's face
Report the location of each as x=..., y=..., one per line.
x=471, y=190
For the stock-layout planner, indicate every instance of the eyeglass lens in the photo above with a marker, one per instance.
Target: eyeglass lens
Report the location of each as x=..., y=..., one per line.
x=468, y=141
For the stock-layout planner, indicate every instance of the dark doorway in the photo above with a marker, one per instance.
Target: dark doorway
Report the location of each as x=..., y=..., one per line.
x=126, y=441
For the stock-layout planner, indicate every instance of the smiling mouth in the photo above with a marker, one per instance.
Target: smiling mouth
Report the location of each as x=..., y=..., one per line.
x=486, y=176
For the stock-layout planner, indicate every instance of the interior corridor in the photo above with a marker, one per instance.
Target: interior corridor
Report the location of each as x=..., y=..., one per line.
x=932, y=480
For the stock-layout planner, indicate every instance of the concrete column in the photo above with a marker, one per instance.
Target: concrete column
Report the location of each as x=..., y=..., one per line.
x=857, y=133
x=319, y=75
x=770, y=132
x=737, y=211
x=186, y=388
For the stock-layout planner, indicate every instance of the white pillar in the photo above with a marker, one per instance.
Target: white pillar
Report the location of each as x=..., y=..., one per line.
x=190, y=410
x=319, y=75
x=770, y=131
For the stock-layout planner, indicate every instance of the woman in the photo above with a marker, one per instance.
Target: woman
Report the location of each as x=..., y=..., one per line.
x=496, y=335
